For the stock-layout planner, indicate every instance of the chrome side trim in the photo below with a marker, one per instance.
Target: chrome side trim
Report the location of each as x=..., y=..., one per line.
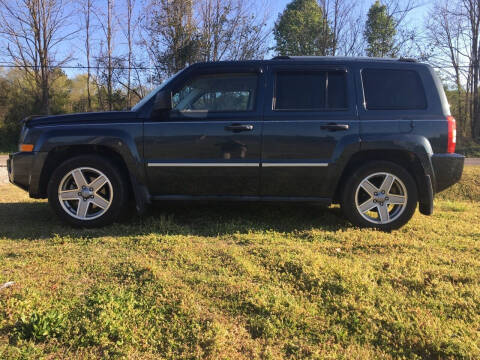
x=266, y=164
x=232, y=164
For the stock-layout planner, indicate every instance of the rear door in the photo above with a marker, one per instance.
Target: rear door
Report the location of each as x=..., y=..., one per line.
x=209, y=144
x=306, y=126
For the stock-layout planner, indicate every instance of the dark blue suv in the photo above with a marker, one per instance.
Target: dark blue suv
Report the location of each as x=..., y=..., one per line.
x=375, y=135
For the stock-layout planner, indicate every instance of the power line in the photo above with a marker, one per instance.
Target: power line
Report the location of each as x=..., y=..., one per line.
x=76, y=67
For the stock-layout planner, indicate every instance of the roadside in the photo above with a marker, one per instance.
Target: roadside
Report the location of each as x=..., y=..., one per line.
x=472, y=161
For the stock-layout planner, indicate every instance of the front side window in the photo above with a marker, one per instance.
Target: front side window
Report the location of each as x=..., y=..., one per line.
x=217, y=93
x=310, y=90
x=387, y=89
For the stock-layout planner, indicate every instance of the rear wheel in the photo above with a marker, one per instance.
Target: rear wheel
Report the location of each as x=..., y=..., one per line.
x=87, y=191
x=381, y=195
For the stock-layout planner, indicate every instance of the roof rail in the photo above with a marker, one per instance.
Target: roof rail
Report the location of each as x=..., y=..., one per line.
x=281, y=57
x=407, y=59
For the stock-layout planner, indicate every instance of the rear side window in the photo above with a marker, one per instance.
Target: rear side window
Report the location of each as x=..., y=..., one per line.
x=310, y=91
x=386, y=89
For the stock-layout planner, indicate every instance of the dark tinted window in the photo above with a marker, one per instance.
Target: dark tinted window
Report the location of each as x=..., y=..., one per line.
x=393, y=90
x=337, y=90
x=316, y=90
x=217, y=93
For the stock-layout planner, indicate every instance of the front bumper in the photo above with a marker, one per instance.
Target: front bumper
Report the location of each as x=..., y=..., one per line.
x=19, y=166
x=448, y=170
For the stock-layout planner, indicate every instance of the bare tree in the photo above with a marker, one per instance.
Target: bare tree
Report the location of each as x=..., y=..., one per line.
x=33, y=31
x=130, y=7
x=171, y=37
x=180, y=32
x=446, y=31
x=472, y=13
x=109, y=38
x=406, y=39
x=345, y=20
x=232, y=29
x=87, y=11
x=105, y=59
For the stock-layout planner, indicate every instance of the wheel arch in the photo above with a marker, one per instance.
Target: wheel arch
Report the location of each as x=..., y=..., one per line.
x=406, y=159
x=62, y=153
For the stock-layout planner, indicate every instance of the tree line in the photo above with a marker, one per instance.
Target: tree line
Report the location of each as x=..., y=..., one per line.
x=123, y=47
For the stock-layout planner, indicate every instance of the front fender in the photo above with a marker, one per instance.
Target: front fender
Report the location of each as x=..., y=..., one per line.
x=125, y=141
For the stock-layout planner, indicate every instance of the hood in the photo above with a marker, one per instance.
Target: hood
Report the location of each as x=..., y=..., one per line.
x=82, y=118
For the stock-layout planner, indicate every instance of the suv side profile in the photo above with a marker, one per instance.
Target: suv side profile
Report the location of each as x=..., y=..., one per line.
x=374, y=135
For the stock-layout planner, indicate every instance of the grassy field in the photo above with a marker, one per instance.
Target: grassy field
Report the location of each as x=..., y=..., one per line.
x=241, y=281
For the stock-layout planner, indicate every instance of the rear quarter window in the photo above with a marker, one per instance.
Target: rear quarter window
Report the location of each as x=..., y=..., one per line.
x=389, y=89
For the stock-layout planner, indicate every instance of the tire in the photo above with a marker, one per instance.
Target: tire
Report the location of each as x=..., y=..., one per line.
x=77, y=182
x=367, y=206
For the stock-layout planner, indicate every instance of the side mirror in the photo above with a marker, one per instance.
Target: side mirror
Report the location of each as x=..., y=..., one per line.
x=163, y=101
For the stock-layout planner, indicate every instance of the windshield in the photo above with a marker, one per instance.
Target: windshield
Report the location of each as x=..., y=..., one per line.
x=154, y=92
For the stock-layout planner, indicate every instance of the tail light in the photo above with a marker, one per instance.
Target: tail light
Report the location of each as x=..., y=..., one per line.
x=452, y=134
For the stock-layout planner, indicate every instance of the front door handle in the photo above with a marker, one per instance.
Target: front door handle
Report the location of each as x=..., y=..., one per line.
x=334, y=127
x=239, y=127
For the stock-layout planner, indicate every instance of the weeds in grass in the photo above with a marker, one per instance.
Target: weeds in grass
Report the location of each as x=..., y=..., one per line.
x=241, y=282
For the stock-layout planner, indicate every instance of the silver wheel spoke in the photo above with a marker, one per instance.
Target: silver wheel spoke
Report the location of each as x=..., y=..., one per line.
x=79, y=178
x=383, y=213
x=85, y=202
x=388, y=206
x=82, y=209
x=98, y=183
x=367, y=205
x=69, y=195
x=387, y=183
x=369, y=187
x=396, y=199
x=100, y=202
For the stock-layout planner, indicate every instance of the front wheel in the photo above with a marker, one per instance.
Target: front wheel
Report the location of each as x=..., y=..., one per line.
x=87, y=191
x=381, y=195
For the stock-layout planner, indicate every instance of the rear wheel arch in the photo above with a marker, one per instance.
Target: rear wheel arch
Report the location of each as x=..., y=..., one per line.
x=406, y=159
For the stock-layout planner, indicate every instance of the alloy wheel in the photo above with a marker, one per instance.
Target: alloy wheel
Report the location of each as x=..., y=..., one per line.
x=85, y=193
x=381, y=198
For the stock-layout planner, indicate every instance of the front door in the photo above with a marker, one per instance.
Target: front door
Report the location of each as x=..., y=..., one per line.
x=306, y=126
x=209, y=144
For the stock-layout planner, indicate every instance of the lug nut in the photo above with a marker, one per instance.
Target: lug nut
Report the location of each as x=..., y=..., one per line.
x=375, y=193
x=91, y=196
x=383, y=191
x=79, y=194
x=386, y=198
x=91, y=189
x=374, y=200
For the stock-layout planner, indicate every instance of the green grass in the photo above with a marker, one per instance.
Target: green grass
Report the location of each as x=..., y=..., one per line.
x=241, y=281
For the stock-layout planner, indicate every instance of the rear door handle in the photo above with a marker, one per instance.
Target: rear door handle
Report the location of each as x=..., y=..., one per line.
x=239, y=127
x=335, y=127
